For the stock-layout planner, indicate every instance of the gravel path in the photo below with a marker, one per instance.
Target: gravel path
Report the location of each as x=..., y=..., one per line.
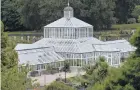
x=47, y=79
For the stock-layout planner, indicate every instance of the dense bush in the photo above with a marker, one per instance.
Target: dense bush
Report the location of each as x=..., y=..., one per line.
x=58, y=86
x=136, y=12
x=131, y=20
x=139, y=19
x=35, y=73
x=114, y=20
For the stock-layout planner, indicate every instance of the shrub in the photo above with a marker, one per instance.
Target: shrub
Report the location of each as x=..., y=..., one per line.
x=34, y=73
x=58, y=86
x=114, y=20
x=2, y=26
x=139, y=19
x=131, y=20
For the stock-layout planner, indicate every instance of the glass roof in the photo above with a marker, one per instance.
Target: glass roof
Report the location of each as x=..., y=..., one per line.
x=66, y=45
x=33, y=58
x=72, y=22
x=45, y=50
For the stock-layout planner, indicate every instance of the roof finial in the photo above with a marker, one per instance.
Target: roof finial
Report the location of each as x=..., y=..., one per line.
x=68, y=3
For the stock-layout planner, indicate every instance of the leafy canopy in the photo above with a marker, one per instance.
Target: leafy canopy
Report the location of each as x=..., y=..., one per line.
x=135, y=40
x=12, y=79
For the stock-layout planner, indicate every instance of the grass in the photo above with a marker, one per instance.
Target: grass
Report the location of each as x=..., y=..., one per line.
x=116, y=29
x=126, y=26
x=23, y=32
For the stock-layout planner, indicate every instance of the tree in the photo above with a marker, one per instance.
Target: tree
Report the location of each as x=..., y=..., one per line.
x=9, y=15
x=135, y=40
x=30, y=15
x=95, y=74
x=9, y=56
x=51, y=10
x=33, y=14
x=39, y=13
x=100, y=12
x=58, y=86
x=12, y=79
x=66, y=68
x=124, y=9
x=126, y=77
x=136, y=11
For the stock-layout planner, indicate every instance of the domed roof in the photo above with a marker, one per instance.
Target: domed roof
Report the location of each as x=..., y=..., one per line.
x=68, y=8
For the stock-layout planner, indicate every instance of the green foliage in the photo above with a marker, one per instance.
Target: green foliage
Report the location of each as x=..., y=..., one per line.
x=124, y=9
x=136, y=12
x=126, y=26
x=12, y=79
x=58, y=86
x=126, y=77
x=33, y=14
x=131, y=20
x=101, y=12
x=129, y=87
x=95, y=74
x=135, y=40
x=30, y=14
x=66, y=66
x=2, y=26
x=4, y=40
x=9, y=14
x=9, y=56
x=139, y=18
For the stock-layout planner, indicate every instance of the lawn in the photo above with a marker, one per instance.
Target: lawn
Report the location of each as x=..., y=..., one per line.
x=24, y=32
x=126, y=26
x=116, y=29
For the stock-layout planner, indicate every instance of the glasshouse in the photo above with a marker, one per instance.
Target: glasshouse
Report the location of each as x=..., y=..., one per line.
x=68, y=27
x=70, y=39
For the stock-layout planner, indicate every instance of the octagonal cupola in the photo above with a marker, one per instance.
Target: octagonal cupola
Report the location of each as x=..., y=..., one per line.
x=68, y=12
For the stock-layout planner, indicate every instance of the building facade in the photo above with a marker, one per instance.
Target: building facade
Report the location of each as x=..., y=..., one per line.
x=70, y=39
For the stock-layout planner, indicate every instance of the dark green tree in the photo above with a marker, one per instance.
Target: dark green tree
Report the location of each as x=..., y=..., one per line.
x=135, y=40
x=51, y=10
x=30, y=14
x=100, y=12
x=10, y=15
x=124, y=9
